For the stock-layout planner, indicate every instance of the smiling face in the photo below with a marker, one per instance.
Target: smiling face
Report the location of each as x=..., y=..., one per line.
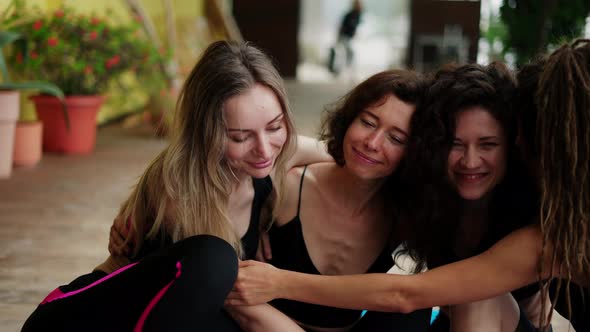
x=256, y=131
x=375, y=141
x=477, y=159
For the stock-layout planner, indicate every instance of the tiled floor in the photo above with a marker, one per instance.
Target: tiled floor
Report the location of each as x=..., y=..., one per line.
x=54, y=218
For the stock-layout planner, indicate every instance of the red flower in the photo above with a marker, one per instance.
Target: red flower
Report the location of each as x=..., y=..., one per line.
x=52, y=41
x=59, y=13
x=37, y=25
x=94, y=21
x=88, y=69
x=34, y=55
x=112, y=61
x=92, y=35
x=19, y=57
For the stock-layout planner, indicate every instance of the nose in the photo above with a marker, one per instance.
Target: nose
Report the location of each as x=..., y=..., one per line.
x=263, y=147
x=470, y=159
x=374, y=140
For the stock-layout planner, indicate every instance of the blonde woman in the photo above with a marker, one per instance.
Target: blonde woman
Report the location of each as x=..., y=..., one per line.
x=195, y=209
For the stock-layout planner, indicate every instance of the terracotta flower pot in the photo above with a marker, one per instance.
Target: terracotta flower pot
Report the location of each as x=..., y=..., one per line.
x=9, y=109
x=82, y=110
x=28, y=140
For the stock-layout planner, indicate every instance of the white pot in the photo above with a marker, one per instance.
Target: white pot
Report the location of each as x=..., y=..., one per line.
x=9, y=110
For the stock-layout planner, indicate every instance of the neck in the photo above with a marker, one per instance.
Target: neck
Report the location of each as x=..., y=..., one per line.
x=476, y=207
x=238, y=180
x=475, y=217
x=355, y=194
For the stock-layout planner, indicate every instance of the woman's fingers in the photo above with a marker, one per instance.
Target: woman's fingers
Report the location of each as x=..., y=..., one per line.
x=117, y=244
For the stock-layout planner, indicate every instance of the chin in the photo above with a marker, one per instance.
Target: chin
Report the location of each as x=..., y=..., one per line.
x=367, y=176
x=470, y=195
x=260, y=173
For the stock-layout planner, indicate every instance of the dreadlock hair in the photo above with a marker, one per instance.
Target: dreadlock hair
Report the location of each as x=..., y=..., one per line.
x=555, y=99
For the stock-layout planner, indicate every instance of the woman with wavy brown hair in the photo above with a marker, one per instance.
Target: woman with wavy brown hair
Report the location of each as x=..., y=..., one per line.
x=339, y=217
x=555, y=135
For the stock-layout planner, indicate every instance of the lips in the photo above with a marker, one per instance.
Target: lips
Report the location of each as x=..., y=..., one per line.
x=363, y=157
x=470, y=178
x=261, y=164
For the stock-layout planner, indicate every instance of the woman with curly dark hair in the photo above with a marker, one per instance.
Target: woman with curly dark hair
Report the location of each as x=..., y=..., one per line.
x=467, y=186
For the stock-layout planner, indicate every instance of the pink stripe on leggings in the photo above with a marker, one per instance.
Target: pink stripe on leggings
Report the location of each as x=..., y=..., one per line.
x=155, y=300
x=58, y=294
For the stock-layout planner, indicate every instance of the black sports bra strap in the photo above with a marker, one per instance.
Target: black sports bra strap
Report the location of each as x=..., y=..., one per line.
x=300, y=188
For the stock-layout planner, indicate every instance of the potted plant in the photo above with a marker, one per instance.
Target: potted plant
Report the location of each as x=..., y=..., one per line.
x=12, y=140
x=82, y=55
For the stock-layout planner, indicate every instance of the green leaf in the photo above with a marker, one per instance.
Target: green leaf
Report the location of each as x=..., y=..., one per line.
x=7, y=37
x=43, y=87
x=3, y=68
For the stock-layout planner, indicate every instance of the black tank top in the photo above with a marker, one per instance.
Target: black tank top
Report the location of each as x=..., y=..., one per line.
x=262, y=189
x=290, y=253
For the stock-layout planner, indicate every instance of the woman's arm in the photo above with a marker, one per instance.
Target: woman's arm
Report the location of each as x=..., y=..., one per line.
x=509, y=264
x=262, y=317
x=309, y=151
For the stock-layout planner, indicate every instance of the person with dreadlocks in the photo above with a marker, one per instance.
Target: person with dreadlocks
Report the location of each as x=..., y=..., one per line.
x=554, y=98
x=558, y=123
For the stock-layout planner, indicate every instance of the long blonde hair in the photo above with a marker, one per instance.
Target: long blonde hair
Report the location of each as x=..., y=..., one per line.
x=191, y=177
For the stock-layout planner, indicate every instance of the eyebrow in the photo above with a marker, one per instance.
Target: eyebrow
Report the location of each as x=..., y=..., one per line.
x=376, y=117
x=484, y=138
x=277, y=118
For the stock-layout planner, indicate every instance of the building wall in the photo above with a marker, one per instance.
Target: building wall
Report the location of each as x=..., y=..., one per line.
x=271, y=25
x=430, y=18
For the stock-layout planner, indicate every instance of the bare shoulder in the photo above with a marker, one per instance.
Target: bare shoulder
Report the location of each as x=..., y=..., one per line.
x=293, y=185
x=295, y=176
x=295, y=173
x=314, y=177
x=293, y=180
x=288, y=208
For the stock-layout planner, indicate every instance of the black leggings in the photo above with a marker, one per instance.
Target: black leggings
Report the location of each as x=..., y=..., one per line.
x=179, y=288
